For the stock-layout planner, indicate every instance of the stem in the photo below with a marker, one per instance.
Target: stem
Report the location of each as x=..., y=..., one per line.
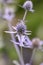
x=21, y=52
x=21, y=46
x=16, y=47
x=32, y=56
x=25, y=15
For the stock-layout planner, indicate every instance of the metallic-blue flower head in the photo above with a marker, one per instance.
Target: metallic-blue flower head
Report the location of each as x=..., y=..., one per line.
x=21, y=28
x=28, y=5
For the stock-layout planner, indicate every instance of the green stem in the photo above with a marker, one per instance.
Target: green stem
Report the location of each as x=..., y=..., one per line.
x=25, y=15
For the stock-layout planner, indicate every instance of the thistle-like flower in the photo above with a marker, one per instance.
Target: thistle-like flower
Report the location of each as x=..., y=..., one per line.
x=8, y=14
x=21, y=34
x=6, y=1
x=21, y=28
x=28, y=5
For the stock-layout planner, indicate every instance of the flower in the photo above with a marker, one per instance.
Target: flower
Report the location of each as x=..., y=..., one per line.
x=9, y=14
x=28, y=5
x=21, y=37
x=21, y=28
x=22, y=34
x=6, y=1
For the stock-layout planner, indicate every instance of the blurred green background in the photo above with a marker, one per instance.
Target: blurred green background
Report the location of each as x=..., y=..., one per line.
x=35, y=24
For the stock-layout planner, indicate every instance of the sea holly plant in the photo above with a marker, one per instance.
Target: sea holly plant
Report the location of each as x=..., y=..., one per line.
x=19, y=35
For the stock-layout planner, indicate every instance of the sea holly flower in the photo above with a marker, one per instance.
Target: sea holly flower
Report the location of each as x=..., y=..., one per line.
x=21, y=38
x=8, y=13
x=7, y=1
x=21, y=28
x=28, y=5
x=21, y=34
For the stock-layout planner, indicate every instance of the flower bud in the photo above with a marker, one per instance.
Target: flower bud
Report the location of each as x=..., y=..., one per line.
x=28, y=5
x=35, y=42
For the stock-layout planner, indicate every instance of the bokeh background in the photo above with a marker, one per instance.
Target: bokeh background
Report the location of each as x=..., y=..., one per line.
x=34, y=23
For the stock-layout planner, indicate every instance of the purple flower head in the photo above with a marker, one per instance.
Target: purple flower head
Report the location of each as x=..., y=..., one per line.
x=21, y=28
x=28, y=5
x=6, y=1
x=9, y=13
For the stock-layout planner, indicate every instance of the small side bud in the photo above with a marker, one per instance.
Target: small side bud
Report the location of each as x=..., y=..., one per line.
x=35, y=42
